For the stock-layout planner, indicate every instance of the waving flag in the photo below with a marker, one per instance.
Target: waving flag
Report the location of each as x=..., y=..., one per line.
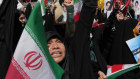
x=117, y=70
x=32, y=59
x=77, y=9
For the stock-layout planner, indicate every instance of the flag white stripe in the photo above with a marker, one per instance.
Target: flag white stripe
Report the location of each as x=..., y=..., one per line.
x=42, y=10
x=78, y=7
x=21, y=71
x=20, y=53
x=109, y=71
x=36, y=40
x=126, y=66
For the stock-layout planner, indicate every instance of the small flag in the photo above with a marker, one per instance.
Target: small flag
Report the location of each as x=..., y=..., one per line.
x=32, y=59
x=117, y=70
x=77, y=9
x=19, y=5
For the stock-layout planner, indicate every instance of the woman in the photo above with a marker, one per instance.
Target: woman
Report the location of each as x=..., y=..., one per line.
x=77, y=63
x=58, y=50
x=117, y=31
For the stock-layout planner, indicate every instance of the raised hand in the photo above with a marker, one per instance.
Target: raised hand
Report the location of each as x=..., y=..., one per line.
x=101, y=75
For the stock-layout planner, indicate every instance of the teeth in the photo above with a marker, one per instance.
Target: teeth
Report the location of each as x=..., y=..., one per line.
x=56, y=53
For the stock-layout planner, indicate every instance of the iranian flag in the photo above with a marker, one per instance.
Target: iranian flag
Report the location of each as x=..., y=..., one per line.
x=117, y=70
x=77, y=9
x=32, y=59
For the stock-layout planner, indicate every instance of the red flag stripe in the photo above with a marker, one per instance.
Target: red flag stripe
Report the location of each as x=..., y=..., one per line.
x=27, y=0
x=15, y=71
x=46, y=2
x=76, y=17
x=117, y=68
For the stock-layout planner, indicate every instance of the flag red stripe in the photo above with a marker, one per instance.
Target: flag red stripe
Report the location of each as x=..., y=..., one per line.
x=95, y=24
x=15, y=71
x=76, y=17
x=46, y=2
x=116, y=68
x=27, y=0
x=121, y=2
x=101, y=26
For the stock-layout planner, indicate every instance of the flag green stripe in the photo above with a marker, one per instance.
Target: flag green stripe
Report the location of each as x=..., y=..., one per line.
x=36, y=30
x=123, y=7
x=43, y=6
x=114, y=75
x=76, y=1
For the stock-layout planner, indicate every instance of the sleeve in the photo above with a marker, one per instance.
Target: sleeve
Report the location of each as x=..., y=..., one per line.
x=80, y=45
x=70, y=24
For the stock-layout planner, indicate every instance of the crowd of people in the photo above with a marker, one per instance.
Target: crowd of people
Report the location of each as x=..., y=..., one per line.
x=84, y=50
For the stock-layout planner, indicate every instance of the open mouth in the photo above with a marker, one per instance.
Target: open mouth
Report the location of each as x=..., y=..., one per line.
x=56, y=54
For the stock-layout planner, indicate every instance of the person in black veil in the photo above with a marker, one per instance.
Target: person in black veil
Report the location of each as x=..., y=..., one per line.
x=28, y=10
x=88, y=69
x=19, y=26
x=57, y=45
x=58, y=50
x=87, y=62
x=7, y=24
x=116, y=32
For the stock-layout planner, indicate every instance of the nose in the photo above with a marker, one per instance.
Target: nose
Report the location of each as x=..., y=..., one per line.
x=55, y=46
x=24, y=20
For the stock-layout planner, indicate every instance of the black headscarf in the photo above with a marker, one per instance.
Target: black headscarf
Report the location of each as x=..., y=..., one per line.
x=17, y=29
x=120, y=52
x=28, y=10
x=116, y=51
x=65, y=63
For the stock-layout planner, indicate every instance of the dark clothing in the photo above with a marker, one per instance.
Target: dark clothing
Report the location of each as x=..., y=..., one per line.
x=51, y=32
x=119, y=52
x=100, y=16
x=28, y=10
x=114, y=35
x=79, y=60
x=7, y=17
x=116, y=51
x=83, y=67
x=109, y=32
x=90, y=3
x=17, y=30
x=123, y=55
x=49, y=22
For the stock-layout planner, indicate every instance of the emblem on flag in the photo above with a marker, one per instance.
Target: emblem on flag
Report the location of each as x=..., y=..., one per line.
x=33, y=60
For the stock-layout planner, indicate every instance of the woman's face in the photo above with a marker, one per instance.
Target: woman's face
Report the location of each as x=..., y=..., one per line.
x=136, y=4
x=22, y=19
x=107, y=6
x=57, y=49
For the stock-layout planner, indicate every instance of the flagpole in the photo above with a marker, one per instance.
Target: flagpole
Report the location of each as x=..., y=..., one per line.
x=129, y=14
